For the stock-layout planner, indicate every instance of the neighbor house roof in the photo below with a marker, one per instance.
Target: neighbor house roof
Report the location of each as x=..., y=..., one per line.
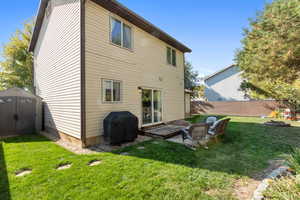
x=120, y=10
x=219, y=72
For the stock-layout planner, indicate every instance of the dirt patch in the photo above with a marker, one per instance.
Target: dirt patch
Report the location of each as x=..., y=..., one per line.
x=244, y=188
x=94, y=163
x=23, y=172
x=94, y=149
x=67, y=145
x=212, y=192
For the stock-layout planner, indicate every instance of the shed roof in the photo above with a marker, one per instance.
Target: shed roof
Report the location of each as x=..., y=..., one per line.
x=119, y=9
x=17, y=92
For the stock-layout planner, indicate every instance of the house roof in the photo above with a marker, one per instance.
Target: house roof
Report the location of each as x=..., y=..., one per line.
x=219, y=72
x=120, y=10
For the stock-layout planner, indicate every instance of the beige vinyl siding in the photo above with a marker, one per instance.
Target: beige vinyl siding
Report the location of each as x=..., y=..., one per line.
x=187, y=103
x=144, y=66
x=57, y=67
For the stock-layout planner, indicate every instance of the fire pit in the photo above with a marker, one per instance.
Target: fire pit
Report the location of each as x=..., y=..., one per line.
x=277, y=123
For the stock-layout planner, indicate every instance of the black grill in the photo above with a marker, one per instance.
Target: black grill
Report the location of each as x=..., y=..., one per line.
x=120, y=127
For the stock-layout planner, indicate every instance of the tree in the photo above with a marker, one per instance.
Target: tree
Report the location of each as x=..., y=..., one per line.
x=270, y=55
x=190, y=76
x=17, y=68
x=199, y=91
x=191, y=79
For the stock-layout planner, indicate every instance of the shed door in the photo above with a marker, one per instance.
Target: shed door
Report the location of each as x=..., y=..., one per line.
x=26, y=115
x=8, y=116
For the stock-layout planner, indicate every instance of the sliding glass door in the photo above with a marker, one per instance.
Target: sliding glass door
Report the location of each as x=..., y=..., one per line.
x=147, y=106
x=151, y=106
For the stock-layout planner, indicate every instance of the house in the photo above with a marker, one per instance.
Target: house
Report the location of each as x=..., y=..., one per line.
x=92, y=57
x=224, y=85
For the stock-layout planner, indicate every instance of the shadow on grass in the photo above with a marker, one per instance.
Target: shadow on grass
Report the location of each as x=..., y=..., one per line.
x=25, y=138
x=4, y=183
x=245, y=149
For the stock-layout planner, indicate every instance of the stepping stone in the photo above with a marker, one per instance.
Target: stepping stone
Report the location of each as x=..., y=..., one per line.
x=94, y=163
x=64, y=166
x=141, y=148
x=23, y=172
x=125, y=153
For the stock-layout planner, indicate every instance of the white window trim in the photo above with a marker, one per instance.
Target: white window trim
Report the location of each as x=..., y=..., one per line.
x=112, y=88
x=122, y=35
x=152, y=112
x=172, y=57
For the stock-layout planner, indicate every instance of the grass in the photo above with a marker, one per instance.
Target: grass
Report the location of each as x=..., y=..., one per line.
x=162, y=170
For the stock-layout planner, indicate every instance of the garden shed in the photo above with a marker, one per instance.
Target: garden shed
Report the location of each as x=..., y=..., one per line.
x=20, y=112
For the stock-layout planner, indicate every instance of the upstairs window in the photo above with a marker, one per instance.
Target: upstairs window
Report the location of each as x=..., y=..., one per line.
x=120, y=33
x=111, y=91
x=171, y=56
x=116, y=33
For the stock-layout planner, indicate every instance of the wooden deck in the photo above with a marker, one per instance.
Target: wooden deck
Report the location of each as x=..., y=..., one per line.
x=163, y=131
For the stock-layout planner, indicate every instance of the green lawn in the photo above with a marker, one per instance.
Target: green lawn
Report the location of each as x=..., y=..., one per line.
x=162, y=170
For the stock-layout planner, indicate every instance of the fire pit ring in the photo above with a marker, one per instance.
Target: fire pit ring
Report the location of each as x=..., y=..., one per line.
x=277, y=124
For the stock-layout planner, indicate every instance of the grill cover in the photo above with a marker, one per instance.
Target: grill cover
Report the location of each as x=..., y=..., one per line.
x=120, y=127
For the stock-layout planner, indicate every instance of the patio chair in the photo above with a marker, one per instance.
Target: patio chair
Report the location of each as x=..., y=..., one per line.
x=197, y=134
x=201, y=133
x=210, y=120
x=218, y=128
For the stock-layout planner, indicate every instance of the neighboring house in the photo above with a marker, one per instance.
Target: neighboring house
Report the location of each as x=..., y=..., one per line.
x=224, y=85
x=92, y=57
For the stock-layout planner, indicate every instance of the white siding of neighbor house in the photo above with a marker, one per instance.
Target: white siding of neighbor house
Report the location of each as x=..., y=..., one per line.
x=57, y=67
x=225, y=86
x=144, y=66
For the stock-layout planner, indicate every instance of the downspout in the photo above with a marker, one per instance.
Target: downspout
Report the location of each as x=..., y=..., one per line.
x=82, y=64
x=33, y=74
x=184, y=84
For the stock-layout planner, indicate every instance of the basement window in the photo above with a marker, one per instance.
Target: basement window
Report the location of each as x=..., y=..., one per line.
x=120, y=33
x=111, y=91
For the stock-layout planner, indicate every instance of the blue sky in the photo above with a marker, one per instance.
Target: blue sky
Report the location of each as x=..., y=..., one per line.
x=212, y=29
